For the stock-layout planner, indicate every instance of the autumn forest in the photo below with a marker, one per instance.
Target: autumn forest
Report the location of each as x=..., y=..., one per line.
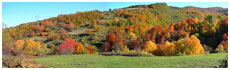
x=139, y=31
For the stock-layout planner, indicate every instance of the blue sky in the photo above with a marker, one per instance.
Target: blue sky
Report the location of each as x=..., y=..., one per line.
x=15, y=13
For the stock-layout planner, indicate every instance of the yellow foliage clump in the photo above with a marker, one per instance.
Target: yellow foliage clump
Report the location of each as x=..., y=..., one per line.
x=32, y=47
x=167, y=49
x=19, y=44
x=150, y=46
x=79, y=48
x=189, y=46
x=132, y=35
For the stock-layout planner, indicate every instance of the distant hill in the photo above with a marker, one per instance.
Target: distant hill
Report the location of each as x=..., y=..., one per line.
x=210, y=9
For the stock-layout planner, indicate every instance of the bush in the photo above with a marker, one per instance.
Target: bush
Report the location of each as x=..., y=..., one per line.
x=19, y=44
x=79, y=48
x=90, y=50
x=189, y=46
x=13, y=61
x=53, y=36
x=32, y=47
x=167, y=49
x=68, y=46
x=43, y=33
x=150, y=46
x=69, y=26
x=222, y=47
x=53, y=49
x=10, y=50
x=63, y=33
x=95, y=50
x=44, y=50
x=124, y=48
x=85, y=51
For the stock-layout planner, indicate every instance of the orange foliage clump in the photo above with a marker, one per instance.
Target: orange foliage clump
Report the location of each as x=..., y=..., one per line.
x=19, y=44
x=79, y=48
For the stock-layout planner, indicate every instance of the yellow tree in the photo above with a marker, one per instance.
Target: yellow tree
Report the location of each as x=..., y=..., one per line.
x=19, y=44
x=79, y=48
x=32, y=47
x=167, y=49
x=150, y=46
x=189, y=46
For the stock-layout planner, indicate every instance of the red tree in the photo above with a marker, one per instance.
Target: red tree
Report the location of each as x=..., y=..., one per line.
x=43, y=33
x=68, y=46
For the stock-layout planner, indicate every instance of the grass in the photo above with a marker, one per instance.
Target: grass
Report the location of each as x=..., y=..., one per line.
x=4, y=67
x=100, y=61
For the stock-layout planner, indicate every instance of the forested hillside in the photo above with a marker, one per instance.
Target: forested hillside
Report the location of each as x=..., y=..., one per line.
x=155, y=29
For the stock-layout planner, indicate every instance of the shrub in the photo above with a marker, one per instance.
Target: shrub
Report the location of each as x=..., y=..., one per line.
x=85, y=51
x=39, y=28
x=189, y=46
x=68, y=46
x=69, y=26
x=19, y=44
x=43, y=33
x=13, y=61
x=167, y=49
x=53, y=49
x=44, y=50
x=90, y=50
x=63, y=33
x=88, y=31
x=32, y=47
x=124, y=48
x=222, y=47
x=10, y=50
x=150, y=46
x=95, y=50
x=79, y=48
x=132, y=36
x=52, y=36
x=30, y=33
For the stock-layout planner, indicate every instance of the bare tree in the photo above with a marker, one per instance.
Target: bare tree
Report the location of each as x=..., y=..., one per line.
x=4, y=26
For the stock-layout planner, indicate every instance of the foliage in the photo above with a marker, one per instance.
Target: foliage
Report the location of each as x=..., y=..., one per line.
x=53, y=49
x=150, y=46
x=19, y=44
x=222, y=47
x=167, y=49
x=44, y=50
x=53, y=36
x=79, y=48
x=189, y=46
x=32, y=47
x=63, y=33
x=67, y=46
x=69, y=26
x=95, y=50
x=43, y=33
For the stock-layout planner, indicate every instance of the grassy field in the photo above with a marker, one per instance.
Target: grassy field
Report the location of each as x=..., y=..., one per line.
x=100, y=61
